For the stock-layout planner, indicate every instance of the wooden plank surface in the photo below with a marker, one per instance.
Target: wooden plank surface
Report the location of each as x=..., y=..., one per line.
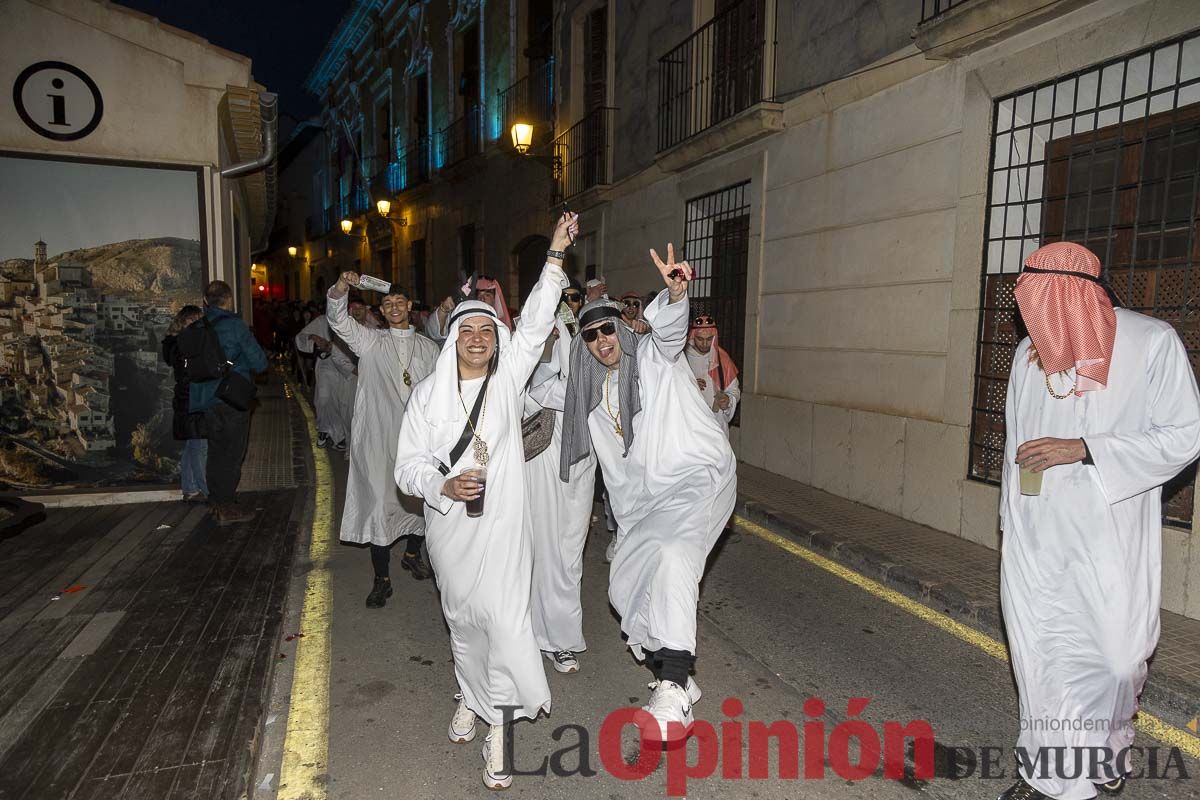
x=160, y=695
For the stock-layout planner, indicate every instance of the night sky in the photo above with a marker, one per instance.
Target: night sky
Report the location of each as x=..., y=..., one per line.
x=282, y=37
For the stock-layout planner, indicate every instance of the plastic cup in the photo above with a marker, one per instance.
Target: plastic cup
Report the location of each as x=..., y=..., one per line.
x=1031, y=482
x=475, y=507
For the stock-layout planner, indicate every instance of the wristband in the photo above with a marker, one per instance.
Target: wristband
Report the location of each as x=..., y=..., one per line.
x=559, y=254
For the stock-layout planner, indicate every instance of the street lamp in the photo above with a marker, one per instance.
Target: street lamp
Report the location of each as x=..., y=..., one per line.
x=522, y=137
x=292, y=251
x=347, y=226
x=383, y=207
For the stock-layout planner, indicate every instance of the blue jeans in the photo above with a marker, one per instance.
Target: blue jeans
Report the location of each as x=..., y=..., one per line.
x=192, y=463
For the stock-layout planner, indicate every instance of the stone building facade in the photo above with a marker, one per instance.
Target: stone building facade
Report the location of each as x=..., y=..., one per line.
x=857, y=183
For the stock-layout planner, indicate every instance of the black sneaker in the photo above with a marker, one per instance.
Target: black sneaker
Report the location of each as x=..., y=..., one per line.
x=1112, y=787
x=340, y=446
x=322, y=440
x=417, y=566
x=380, y=592
x=1022, y=791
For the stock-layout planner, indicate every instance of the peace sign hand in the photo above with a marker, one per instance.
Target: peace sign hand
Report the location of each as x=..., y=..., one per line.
x=675, y=276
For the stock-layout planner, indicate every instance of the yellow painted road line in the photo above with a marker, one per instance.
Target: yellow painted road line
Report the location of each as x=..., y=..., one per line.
x=1146, y=723
x=305, y=771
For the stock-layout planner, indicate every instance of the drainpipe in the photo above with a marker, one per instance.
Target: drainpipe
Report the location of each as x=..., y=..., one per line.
x=269, y=103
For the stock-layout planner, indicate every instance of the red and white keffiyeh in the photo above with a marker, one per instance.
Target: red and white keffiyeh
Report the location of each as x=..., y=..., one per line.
x=1068, y=312
x=722, y=371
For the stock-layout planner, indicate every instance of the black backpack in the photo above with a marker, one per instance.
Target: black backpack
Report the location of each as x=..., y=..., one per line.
x=200, y=352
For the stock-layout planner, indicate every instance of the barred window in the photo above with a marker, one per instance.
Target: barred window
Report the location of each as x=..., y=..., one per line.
x=716, y=243
x=1108, y=157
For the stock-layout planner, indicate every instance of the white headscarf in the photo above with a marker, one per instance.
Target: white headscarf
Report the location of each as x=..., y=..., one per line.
x=444, y=409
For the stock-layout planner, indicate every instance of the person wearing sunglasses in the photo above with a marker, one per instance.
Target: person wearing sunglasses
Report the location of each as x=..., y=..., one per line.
x=716, y=374
x=460, y=449
x=631, y=314
x=670, y=474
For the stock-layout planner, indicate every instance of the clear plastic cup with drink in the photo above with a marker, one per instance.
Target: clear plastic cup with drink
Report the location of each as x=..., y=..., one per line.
x=1031, y=482
x=475, y=507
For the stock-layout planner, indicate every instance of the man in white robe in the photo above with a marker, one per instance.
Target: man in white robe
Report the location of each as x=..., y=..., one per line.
x=670, y=473
x=716, y=374
x=437, y=325
x=391, y=361
x=483, y=563
x=558, y=516
x=1102, y=410
x=333, y=398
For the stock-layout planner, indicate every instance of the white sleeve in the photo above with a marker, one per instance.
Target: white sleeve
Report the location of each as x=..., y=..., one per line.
x=536, y=322
x=668, y=324
x=734, y=391
x=417, y=472
x=318, y=327
x=339, y=356
x=1129, y=463
x=357, y=337
x=1008, y=469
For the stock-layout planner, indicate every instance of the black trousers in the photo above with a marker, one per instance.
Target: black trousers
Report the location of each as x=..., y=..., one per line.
x=228, y=432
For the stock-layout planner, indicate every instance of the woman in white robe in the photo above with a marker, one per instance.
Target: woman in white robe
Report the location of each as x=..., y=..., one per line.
x=483, y=564
x=1081, y=564
x=671, y=479
x=391, y=362
x=333, y=395
x=558, y=517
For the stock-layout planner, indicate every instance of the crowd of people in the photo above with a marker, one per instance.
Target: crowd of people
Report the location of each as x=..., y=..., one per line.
x=489, y=437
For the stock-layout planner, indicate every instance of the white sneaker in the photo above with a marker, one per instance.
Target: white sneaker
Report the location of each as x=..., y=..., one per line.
x=611, y=550
x=693, y=689
x=564, y=660
x=670, y=704
x=462, y=724
x=494, y=774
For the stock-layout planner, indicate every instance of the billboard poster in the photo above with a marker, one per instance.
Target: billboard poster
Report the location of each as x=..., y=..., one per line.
x=96, y=258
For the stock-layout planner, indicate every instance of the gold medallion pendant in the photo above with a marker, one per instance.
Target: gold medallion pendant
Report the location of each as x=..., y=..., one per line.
x=407, y=379
x=480, y=450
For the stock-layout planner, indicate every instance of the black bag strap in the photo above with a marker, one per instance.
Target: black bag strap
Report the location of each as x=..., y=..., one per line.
x=468, y=430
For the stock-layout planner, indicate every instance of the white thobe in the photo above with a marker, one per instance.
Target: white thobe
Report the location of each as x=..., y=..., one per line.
x=484, y=564
x=672, y=494
x=700, y=364
x=434, y=323
x=558, y=514
x=333, y=396
x=1081, y=563
x=375, y=511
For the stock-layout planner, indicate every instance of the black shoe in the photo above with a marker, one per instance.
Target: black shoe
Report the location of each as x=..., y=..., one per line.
x=416, y=564
x=1113, y=787
x=1022, y=791
x=380, y=592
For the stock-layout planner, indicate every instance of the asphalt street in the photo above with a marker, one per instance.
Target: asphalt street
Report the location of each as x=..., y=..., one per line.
x=776, y=633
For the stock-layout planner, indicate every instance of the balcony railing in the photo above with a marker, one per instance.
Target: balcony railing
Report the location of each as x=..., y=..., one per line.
x=583, y=154
x=462, y=138
x=530, y=99
x=935, y=8
x=413, y=163
x=717, y=72
x=355, y=203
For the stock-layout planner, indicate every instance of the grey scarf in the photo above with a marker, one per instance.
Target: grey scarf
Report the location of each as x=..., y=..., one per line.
x=585, y=386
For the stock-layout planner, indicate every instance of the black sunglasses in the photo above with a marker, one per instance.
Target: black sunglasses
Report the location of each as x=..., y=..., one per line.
x=637, y=303
x=573, y=297
x=607, y=328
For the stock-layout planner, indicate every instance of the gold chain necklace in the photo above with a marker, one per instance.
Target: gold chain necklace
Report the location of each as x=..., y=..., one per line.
x=1057, y=396
x=616, y=418
x=478, y=445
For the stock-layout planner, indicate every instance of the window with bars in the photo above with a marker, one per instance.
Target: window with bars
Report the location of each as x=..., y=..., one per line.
x=716, y=244
x=1108, y=157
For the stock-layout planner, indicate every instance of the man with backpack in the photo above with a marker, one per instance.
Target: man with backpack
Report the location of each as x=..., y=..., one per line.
x=220, y=353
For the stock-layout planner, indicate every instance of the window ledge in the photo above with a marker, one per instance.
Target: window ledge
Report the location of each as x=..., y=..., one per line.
x=979, y=23
x=753, y=123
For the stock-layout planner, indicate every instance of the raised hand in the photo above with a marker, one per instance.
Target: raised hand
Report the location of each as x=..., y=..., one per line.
x=346, y=280
x=564, y=232
x=674, y=275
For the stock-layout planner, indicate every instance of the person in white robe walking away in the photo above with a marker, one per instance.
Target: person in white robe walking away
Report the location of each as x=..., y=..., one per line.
x=670, y=473
x=558, y=515
x=1102, y=410
x=391, y=362
x=333, y=394
x=461, y=450
x=715, y=372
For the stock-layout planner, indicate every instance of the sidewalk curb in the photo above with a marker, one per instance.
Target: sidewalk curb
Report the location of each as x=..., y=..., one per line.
x=1181, y=696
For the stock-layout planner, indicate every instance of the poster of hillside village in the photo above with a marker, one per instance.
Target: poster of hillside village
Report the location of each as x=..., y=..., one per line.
x=95, y=260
